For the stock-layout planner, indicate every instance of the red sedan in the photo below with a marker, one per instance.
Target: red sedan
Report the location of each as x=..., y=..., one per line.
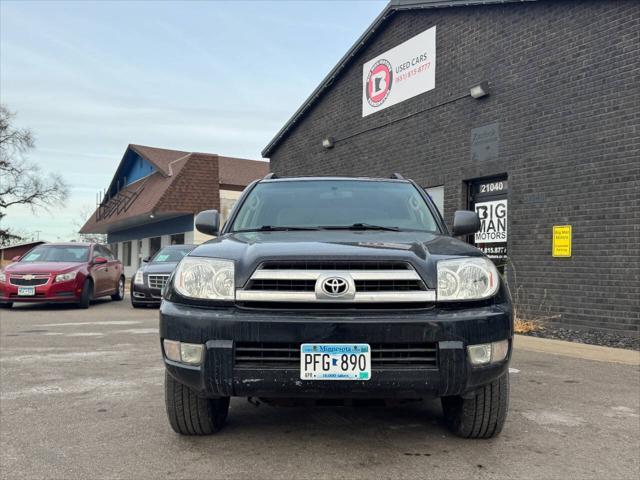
x=63, y=272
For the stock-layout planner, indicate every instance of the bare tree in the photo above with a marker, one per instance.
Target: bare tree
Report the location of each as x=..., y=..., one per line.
x=21, y=181
x=85, y=212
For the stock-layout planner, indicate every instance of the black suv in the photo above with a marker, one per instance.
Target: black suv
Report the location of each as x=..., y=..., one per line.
x=336, y=288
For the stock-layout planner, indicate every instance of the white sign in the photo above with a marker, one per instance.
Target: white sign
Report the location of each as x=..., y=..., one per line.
x=493, y=222
x=400, y=73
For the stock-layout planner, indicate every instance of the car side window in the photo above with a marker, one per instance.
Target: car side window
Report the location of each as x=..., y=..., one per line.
x=107, y=253
x=100, y=251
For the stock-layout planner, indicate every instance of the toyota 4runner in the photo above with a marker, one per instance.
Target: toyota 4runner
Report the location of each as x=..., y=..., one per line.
x=336, y=288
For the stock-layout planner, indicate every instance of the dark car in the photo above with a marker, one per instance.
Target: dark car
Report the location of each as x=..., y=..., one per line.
x=62, y=273
x=151, y=277
x=336, y=288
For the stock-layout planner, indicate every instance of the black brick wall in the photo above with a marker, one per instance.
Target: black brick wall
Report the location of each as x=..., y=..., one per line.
x=565, y=80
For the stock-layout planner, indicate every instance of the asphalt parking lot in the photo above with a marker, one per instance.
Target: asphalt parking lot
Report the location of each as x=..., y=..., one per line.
x=81, y=397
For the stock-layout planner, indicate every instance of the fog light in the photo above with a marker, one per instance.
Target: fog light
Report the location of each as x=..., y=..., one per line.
x=172, y=350
x=479, y=354
x=191, y=353
x=499, y=350
x=488, y=352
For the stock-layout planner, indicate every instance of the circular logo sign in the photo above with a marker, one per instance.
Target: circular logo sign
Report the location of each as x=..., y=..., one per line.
x=379, y=81
x=335, y=286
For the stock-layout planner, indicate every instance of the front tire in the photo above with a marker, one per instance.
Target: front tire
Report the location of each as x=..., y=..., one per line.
x=87, y=294
x=190, y=414
x=481, y=416
x=119, y=295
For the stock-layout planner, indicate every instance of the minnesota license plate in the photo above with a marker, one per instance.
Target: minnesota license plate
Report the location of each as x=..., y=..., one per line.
x=335, y=361
x=26, y=291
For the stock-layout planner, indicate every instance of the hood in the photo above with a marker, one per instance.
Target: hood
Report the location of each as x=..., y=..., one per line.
x=421, y=249
x=41, y=267
x=158, y=267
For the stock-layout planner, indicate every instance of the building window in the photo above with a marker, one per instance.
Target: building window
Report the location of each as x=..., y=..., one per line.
x=437, y=195
x=177, y=239
x=155, y=244
x=126, y=254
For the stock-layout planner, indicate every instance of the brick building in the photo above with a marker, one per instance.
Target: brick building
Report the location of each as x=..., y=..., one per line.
x=155, y=193
x=555, y=142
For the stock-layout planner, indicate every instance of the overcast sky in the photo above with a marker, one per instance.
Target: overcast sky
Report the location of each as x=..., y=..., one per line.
x=222, y=77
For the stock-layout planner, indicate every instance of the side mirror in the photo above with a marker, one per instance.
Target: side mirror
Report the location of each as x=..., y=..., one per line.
x=146, y=259
x=99, y=260
x=465, y=222
x=208, y=222
x=16, y=258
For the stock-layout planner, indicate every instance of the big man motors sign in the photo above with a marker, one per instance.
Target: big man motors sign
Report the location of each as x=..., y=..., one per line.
x=400, y=73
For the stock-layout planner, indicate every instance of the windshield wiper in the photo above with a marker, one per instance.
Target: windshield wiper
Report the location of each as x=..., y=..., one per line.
x=360, y=226
x=271, y=228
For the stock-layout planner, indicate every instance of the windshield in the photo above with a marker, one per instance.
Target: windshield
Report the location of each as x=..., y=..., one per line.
x=57, y=253
x=335, y=203
x=170, y=255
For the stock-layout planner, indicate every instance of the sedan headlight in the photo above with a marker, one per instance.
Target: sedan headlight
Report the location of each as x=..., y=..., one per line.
x=139, y=278
x=3, y=277
x=66, y=277
x=473, y=278
x=205, y=278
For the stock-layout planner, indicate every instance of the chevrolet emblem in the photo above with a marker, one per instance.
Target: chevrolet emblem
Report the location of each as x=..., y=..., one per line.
x=28, y=277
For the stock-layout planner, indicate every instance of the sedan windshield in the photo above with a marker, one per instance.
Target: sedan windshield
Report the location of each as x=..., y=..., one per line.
x=57, y=253
x=334, y=204
x=170, y=255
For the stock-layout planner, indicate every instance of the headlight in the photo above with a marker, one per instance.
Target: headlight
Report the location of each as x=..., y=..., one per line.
x=139, y=278
x=3, y=277
x=205, y=278
x=472, y=278
x=65, y=277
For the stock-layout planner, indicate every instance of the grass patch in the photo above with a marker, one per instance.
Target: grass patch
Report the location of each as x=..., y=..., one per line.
x=525, y=326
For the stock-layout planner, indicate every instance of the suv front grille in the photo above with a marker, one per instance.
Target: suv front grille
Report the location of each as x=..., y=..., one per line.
x=383, y=355
x=361, y=285
x=389, y=285
x=283, y=285
x=31, y=282
x=376, y=283
x=336, y=265
x=157, y=281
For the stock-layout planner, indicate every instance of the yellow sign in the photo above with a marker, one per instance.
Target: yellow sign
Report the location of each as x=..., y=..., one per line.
x=562, y=240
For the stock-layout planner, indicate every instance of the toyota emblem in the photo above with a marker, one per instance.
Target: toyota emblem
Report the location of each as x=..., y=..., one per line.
x=334, y=286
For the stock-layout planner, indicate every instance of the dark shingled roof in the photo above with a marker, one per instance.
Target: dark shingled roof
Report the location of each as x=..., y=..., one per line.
x=181, y=184
x=236, y=172
x=392, y=7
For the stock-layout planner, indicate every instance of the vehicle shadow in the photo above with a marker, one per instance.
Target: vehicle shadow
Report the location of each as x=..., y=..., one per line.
x=56, y=306
x=374, y=419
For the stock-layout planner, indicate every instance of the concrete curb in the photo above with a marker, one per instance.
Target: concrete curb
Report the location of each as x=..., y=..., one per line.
x=577, y=350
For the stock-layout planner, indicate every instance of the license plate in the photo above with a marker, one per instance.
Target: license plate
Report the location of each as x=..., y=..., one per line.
x=26, y=291
x=335, y=361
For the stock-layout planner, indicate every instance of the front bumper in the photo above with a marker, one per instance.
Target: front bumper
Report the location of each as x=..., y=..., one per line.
x=222, y=328
x=48, y=293
x=145, y=295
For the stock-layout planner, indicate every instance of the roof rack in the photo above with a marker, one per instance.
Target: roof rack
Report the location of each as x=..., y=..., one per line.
x=397, y=176
x=269, y=176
